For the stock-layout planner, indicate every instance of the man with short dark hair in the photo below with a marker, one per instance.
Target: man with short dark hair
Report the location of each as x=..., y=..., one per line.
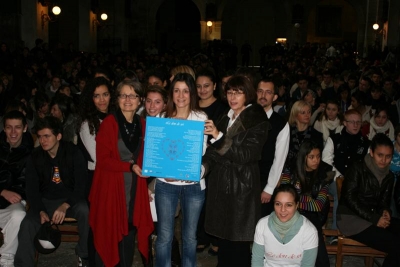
x=327, y=80
x=302, y=87
x=16, y=145
x=275, y=149
x=55, y=187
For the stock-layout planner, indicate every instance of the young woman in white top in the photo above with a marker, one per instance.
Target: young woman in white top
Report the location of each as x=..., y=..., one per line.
x=330, y=121
x=379, y=123
x=94, y=107
x=285, y=237
x=182, y=104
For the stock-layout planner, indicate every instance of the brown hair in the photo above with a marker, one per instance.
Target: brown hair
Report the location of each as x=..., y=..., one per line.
x=189, y=81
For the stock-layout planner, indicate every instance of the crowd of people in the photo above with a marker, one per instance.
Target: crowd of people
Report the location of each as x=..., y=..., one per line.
x=275, y=141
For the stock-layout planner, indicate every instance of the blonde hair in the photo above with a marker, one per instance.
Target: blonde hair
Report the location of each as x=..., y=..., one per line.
x=297, y=107
x=183, y=69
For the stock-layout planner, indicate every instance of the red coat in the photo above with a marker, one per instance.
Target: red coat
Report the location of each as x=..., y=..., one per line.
x=108, y=216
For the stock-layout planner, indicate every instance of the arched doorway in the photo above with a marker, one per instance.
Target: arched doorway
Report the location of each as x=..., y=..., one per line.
x=332, y=21
x=178, y=25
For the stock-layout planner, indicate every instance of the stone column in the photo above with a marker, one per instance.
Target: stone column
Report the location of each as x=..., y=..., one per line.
x=393, y=37
x=31, y=22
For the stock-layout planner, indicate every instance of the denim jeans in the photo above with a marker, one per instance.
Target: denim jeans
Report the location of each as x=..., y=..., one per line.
x=191, y=199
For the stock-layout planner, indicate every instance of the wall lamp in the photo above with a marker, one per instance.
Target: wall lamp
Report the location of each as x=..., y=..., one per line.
x=95, y=23
x=46, y=18
x=209, y=25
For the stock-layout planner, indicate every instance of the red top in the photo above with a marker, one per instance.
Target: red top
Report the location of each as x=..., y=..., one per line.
x=108, y=216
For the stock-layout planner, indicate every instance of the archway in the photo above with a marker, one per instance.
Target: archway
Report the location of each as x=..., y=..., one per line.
x=332, y=21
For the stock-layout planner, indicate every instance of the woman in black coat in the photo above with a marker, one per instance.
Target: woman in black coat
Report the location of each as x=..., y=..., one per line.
x=233, y=204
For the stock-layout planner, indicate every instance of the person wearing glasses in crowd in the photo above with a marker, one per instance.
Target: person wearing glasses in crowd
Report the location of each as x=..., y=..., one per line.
x=231, y=161
x=119, y=203
x=343, y=149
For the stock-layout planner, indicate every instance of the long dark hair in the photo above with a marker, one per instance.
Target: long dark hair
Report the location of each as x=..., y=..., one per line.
x=300, y=168
x=65, y=105
x=189, y=81
x=87, y=110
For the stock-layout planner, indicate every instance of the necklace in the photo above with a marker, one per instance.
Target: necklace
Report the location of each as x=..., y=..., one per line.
x=128, y=132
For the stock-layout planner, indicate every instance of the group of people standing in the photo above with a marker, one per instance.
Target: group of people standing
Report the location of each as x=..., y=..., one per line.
x=255, y=164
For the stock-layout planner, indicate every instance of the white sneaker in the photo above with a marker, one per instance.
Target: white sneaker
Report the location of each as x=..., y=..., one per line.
x=7, y=260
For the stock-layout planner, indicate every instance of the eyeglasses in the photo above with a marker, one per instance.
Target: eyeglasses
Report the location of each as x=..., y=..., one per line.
x=354, y=122
x=262, y=92
x=125, y=96
x=234, y=93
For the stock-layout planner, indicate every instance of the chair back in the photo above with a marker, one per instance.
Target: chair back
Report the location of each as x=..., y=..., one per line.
x=339, y=183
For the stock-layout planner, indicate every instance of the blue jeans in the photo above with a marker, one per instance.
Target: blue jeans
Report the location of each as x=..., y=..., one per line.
x=191, y=199
x=333, y=192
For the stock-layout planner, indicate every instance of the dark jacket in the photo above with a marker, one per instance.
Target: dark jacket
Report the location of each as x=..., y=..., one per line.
x=233, y=202
x=309, y=133
x=73, y=173
x=12, y=165
x=396, y=196
x=317, y=200
x=362, y=195
x=348, y=149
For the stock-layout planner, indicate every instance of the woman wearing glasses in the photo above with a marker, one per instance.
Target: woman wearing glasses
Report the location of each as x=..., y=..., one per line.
x=118, y=198
x=182, y=104
x=231, y=161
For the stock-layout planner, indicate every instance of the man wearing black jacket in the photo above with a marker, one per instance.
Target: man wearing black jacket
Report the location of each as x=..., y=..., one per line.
x=16, y=145
x=55, y=186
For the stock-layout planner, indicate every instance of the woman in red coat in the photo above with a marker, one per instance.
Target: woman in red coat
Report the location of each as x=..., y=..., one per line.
x=119, y=204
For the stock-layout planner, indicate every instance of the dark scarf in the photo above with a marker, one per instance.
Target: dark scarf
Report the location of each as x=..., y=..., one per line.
x=379, y=173
x=101, y=115
x=130, y=132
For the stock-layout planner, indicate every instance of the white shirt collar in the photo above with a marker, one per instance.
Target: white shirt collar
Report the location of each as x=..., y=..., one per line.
x=269, y=112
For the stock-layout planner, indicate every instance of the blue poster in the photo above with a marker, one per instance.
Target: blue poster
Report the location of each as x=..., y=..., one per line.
x=173, y=148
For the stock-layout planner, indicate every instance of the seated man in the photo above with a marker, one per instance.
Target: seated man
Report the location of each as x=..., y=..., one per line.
x=16, y=144
x=343, y=149
x=55, y=188
x=364, y=208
